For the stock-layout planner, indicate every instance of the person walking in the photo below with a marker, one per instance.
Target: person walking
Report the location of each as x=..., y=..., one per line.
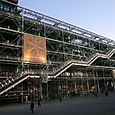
x=32, y=107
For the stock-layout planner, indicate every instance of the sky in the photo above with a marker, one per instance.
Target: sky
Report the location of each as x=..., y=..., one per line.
x=97, y=16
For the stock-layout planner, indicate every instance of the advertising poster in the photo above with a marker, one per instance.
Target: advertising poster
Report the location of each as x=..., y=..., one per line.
x=34, y=49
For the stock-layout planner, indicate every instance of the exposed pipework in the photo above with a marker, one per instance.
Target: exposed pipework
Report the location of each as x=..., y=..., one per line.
x=12, y=1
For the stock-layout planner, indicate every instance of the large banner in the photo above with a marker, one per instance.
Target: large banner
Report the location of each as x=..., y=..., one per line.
x=113, y=73
x=34, y=49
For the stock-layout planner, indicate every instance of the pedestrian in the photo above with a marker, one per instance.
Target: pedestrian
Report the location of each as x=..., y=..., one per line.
x=32, y=107
x=95, y=94
x=39, y=102
x=106, y=93
x=60, y=98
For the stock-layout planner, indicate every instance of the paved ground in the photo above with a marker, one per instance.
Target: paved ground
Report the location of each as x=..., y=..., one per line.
x=82, y=105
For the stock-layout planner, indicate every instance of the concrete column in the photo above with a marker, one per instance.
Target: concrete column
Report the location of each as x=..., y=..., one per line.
x=47, y=91
x=98, y=88
x=41, y=95
x=88, y=86
x=113, y=84
x=75, y=86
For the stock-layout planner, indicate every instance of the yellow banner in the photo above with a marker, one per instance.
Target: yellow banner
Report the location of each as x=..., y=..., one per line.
x=34, y=49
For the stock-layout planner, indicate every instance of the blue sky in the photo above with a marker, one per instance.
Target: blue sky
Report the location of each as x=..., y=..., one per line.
x=94, y=15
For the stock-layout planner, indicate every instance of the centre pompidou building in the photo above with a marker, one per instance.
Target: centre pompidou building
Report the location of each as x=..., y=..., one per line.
x=43, y=57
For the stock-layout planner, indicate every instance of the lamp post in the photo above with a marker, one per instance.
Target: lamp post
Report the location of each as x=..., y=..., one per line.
x=41, y=95
x=44, y=79
x=22, y=94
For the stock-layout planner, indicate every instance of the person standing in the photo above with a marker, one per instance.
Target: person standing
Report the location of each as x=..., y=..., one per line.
x=106, y=92
x=60, y=99
x=32, y=107
x=39, y=102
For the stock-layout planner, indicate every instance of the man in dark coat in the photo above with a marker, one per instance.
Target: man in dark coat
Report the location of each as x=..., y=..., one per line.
x=32, y=107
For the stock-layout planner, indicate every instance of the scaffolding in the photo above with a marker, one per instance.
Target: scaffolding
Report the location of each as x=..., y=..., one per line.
x=77, y=59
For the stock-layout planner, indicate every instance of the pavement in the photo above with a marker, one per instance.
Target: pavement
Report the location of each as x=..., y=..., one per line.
x=80, y=105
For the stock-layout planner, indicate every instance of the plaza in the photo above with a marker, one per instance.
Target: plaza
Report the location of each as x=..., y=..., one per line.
x=80, y=105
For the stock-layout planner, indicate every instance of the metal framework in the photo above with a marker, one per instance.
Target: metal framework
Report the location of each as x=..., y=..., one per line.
x=76, y=58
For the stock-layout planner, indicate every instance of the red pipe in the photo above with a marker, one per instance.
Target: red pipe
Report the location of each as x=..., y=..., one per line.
x=14, y=1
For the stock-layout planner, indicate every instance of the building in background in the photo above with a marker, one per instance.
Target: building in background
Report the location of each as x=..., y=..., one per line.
x=43, y=57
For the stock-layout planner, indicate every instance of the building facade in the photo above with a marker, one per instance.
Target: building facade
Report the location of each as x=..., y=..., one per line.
x=42, y=57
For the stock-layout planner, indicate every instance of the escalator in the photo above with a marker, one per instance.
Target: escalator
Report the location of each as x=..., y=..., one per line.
x=11, y=83
x=90, y=61
x=5, y=86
